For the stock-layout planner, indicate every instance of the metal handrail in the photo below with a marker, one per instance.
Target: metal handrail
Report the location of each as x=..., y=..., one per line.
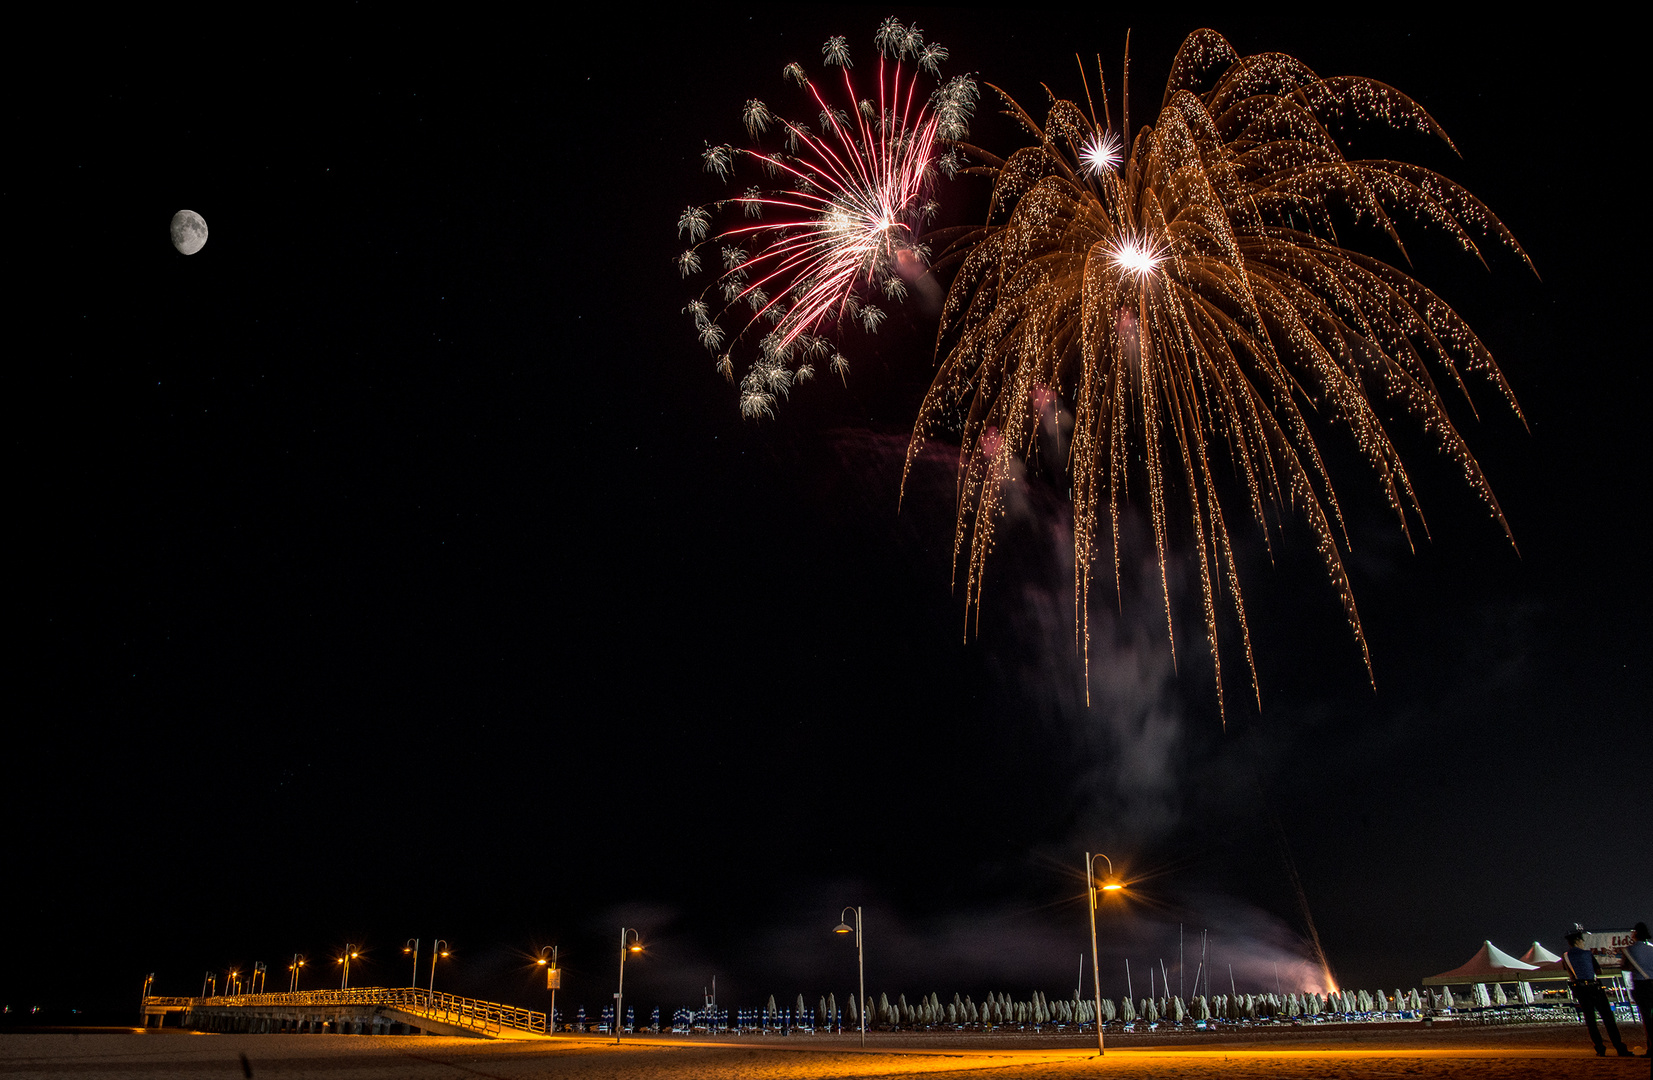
x=486, y=1016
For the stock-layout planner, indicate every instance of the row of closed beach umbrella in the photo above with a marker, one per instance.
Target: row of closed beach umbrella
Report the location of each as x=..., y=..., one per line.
x=1037, y=1011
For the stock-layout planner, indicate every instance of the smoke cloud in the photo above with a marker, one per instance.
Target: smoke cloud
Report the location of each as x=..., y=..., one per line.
x=1123, y=712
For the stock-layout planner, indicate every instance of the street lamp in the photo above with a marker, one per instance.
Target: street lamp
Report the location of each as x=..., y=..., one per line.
x=292, y=982
x=412, y=946
x=143, y=1005
x=350, y=954
x=843, y=927
x=438, y=948
x=232, y=981
x=209, y=978
x=1111, y=883
x=553, y=979
x=635, y=945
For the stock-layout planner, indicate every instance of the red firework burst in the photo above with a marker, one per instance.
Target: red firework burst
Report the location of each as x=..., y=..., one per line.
x=841, y=229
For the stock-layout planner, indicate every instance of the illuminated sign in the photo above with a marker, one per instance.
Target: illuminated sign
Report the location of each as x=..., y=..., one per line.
x=1606, y=945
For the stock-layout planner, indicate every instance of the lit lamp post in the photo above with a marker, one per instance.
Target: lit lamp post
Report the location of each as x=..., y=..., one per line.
x=553, y=978
x=143, y=1004
x=350, y=954
x=438, y=950
x=232, y=981
x=860, y=963
x=260, y=980
x=1092, y=887
x=209, y=979
x=292, y=981
x=412, y=946
x=635, y=945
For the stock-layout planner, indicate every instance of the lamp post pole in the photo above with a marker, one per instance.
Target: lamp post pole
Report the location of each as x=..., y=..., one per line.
x=412, y=946
x=553, y=976
x=860, y=964
x=143, y=1004
x=439, y=947
x=292, y=982
x=636, y=945
x=1109, y=884
x=349, y=955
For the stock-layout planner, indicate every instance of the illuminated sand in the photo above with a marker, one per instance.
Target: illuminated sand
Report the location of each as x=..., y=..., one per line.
x=1557, y=1051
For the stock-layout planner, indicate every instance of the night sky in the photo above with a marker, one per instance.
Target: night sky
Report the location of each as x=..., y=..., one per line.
x=398, y=566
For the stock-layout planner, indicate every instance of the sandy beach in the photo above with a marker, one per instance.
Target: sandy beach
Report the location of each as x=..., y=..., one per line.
x=1401, y=1050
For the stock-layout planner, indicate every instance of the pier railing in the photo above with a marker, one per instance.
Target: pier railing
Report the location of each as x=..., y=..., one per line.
x=483, y=1016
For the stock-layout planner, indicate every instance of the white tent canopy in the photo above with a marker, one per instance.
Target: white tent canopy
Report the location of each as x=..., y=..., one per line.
x=1538, y=954
x=1493, y=965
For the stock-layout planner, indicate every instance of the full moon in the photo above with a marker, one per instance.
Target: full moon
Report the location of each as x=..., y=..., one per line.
x=189, y=231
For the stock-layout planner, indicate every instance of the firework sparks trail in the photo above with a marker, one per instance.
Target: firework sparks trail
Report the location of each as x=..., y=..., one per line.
x=842, y=227
x=1189, y=300
x=855, y=206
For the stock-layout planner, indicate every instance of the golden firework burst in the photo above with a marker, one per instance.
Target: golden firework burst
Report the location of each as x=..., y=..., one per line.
x=1189, y=299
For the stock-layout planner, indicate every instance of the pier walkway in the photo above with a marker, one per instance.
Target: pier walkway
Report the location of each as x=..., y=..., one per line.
x=362, y=1011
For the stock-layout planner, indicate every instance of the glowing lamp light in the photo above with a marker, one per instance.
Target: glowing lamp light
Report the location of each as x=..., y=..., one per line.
x=637, y=946
x=843, y=928
x=1111, y=885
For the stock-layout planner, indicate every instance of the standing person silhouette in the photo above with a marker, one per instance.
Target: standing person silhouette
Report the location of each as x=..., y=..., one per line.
x=1638, y=957
x=1585, y=976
